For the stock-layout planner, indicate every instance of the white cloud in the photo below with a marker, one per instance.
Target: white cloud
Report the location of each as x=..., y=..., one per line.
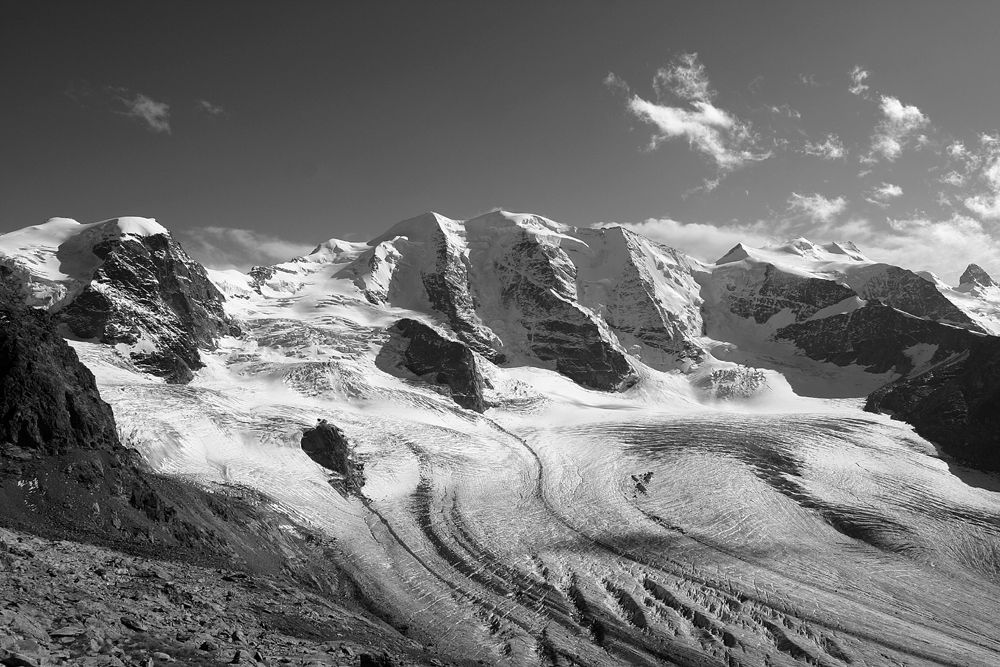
x=945, y=247
x=209, y=108
x=817, y=207
x=831, y=149
x=229, y=248
x=858, y=76
x=953, y=178
x=983, y=167
x=616, y=83
x=887, y=191
x=808, y=80
x=898, y=122
x=685, y=78
x=986, y=207
x=155, y=114
x=784, y=110
x=709, y=129
x=881, y=195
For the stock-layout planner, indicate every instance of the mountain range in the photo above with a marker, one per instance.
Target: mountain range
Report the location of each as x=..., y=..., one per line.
x=533, y=443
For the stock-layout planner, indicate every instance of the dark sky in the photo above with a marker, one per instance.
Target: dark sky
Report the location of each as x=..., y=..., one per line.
x=294, y=122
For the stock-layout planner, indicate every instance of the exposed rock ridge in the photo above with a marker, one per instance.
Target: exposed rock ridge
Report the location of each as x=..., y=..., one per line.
x=149, y=294
x=878, y=337
x=538, y=305
x=759, y=291
x=908, y=292
x=447, y=287
x=955, y=404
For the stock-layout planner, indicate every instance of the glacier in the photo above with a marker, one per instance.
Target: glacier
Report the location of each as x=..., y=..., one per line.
x=659, y=477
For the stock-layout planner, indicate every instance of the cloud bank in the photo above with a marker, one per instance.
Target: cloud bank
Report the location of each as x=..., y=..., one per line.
x=242, y=249
x=817, y=207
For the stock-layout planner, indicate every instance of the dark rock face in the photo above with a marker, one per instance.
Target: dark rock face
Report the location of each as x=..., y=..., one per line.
x=955, y=404
x=912, y=294
x=447, y=287
x=49, y=402
x=758, y=297
x=431, y=356
x=326, y=445
x=148, y=289
x=975, y=275
x=875, y=337
x=539, y=282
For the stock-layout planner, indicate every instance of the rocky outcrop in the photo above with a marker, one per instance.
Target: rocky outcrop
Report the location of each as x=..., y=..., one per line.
x=759, y=291
x=148, y=294
x=955, y=404
x=975, y=275
x=434, y=357
x=908, y=292
x=326, y=445
x=447, y=287
x=49, y=402
x=878, y=338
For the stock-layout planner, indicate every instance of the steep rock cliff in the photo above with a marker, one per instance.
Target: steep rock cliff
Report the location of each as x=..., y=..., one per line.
x=955, y=404
x=526, y=286
x=436, y=358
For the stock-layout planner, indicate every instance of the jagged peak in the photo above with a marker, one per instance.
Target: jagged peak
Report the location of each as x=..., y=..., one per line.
x=737, y=253
x=976, y=275
x=800, y=247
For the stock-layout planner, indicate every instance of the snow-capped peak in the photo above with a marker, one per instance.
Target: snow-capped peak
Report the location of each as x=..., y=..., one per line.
x=420, y=228
x=800, y=255
x=975, y=275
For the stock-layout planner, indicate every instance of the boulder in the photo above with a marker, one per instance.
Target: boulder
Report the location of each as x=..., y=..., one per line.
x=326, y=445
